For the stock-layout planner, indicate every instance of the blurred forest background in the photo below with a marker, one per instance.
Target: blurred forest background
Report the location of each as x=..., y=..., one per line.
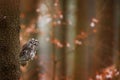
x=79, y=39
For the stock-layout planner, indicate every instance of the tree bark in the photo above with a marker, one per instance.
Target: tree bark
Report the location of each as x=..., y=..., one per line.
x=9, y=39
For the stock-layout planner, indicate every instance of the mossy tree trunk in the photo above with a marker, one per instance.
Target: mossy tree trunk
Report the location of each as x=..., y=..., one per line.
x=9, y=39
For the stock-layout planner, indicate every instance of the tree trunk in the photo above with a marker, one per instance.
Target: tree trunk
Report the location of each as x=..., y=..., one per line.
x=70, y=36
x=62, y=38
x=80, y=53
x=105, y=35
x=9, y=39
x=117, y=36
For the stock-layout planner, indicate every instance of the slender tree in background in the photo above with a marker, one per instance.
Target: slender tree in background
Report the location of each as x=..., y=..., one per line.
x=117, y=36
x=9, y=39
x=61, y=35
x=103, y=55
x=44, y=24
x=70, y=16
x=80, y=51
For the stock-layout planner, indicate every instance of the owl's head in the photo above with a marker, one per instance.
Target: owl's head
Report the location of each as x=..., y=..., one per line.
x=34, y=42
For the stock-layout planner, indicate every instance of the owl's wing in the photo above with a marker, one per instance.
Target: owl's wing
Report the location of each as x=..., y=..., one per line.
x=23, y=54
x=23, y=58
x=24, y=50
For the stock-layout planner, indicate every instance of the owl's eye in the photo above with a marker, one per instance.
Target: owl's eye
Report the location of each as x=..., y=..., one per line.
x=31, y=42
x=35, y=44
